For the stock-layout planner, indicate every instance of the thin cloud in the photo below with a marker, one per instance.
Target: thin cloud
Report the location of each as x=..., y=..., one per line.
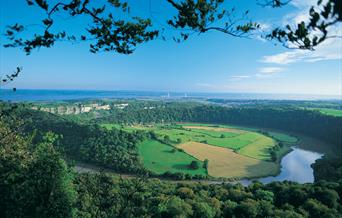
x=207, y=85
x=303, y=3
x=328, y=50
x=303, y=7
x=270, y=70
x=331, y=49
x=263, y=28
x=240, y=77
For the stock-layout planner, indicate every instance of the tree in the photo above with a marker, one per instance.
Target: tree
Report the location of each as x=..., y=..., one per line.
x=10, y=77
x=229, y=208
x=309, y=35
x=14, y=165
x=205, y=164
x=273, y=156
x=167, y=139
x=328, y=168
x=203, y=210
x=194, y=165
x=327, y=197
x=175, y=207
x=33, y=183
x=53, y=194
x=4, y=80
x=153, y=135
x=185, y=192
x=264, y=195
x=247, y=208
x=317, y=209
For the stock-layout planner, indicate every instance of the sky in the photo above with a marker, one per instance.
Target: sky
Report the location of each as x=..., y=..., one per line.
x=211, y=62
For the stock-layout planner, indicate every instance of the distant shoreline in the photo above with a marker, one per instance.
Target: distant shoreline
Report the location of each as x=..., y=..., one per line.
x=22, y=95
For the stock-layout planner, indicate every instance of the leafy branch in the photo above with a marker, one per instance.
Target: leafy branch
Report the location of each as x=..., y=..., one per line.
x=273, y=3
x=309, y=35
x=108, y=33
x=4, y=80
x=201, y=16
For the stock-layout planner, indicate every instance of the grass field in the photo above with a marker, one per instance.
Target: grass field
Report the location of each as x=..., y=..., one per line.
x=283, y=137
x=231, y=151
x=111, y=126
x=160, y=158
x=214, y=129
x=251, y=144
x=224, y=162
x=227, y=139
x=330, y=112
x=258, y=149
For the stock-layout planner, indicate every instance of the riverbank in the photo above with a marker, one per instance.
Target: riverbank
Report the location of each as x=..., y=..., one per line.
x=297, y=155
x=295, y=166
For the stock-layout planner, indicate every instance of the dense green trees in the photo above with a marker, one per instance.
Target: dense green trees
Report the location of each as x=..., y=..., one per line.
x=194, y=165
x=329, y=169
x=206, y=164
x=34, y=181
x=114, y=149
x=154, y=198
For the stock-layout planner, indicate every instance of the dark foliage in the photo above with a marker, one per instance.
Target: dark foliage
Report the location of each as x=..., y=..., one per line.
x=309, y=35
x=101, y=196
x=34, y=181
x=329, y=169
x=115, y=149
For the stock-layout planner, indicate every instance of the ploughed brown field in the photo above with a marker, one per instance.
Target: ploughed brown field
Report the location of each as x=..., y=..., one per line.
x=224, y=162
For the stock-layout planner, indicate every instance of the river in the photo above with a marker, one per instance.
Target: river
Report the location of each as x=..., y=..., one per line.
x=295, y=166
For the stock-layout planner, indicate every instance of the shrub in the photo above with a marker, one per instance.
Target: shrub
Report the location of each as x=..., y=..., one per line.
x=194, y=165
x=205, y=164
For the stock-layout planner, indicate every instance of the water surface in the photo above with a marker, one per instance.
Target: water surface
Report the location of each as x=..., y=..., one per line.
x=59, y=95
x=295, y=166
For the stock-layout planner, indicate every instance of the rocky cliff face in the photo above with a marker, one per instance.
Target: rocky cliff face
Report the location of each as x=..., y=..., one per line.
x=72, y=109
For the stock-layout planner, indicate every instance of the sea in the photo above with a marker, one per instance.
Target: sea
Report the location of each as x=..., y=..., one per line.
x=34, y=95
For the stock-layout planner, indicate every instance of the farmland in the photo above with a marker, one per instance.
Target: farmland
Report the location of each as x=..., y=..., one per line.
x=231, y=152
x=330, y=112
x=285, y=138
x=226, y=163
x=258, y=148
x=160, y=158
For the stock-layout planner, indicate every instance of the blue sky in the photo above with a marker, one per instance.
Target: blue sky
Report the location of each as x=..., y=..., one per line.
x=212, y=62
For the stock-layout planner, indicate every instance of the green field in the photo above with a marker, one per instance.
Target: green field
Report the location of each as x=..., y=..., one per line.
x=330, y=112
x=161, y=158
x=230, y=140
x=161, y=155
x=221, y=126
x=258, y=149
x=111, y=126
x=283, y=137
